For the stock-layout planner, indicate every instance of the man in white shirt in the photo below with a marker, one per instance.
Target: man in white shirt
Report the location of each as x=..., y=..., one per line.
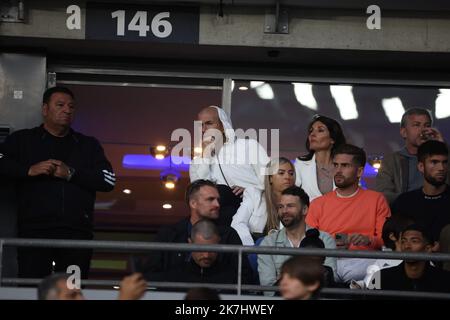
x=236, y=162
x=229, y=160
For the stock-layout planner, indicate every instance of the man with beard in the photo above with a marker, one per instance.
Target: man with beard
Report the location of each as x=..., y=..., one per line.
x=202, y=197
x=414, y=275
x=354, y=216
x=398, y=172
x=206, y=266
x=292, y=209
x=228, y=159
x=236, y=163
x=429, y=205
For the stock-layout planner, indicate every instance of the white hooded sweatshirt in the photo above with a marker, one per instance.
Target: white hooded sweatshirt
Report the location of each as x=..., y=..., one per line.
x=242, y=161
x=251, y=215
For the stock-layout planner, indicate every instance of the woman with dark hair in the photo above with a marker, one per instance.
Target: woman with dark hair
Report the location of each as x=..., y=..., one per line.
x=312, y=240
x=314, y=171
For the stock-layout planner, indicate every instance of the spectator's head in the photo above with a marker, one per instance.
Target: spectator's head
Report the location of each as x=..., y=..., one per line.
x=413, y=122
x=55, y=287
x=202, y=294
x=312, y=240
x=415, y=238
x=281, y=176
x=210, y=119
x=392, y=231
x=202, y=197
x=323, y=134
x=204, y=232
x=293, y=206
x=432, y=158
x=58, y=108
x=301, y=278
x=348, y=162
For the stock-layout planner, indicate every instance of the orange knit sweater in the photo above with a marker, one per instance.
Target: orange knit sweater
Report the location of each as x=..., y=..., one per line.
x=364, y=213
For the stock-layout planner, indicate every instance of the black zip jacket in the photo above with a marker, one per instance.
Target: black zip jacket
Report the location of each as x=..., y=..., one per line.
x=50, y=202
x=159, y=264
x=218, y=272
x=432, y=280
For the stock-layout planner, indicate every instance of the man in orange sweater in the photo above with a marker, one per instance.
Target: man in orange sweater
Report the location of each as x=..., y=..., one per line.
x=354, y=216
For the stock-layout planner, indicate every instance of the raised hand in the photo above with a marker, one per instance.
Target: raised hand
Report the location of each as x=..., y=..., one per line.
x=132, y=287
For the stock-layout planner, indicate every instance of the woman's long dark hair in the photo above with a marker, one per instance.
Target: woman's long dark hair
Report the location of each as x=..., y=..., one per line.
x=333, y=127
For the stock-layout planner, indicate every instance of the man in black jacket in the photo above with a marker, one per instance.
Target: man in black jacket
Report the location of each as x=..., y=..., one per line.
x=206, y=267
x=57, y=172
x=203, y=200
x=414, y=275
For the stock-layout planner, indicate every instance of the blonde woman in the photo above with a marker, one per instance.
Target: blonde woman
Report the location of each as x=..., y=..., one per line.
x=257, y=214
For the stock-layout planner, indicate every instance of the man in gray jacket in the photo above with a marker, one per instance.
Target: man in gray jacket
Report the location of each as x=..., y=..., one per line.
x=398, y=172
x=292, y=211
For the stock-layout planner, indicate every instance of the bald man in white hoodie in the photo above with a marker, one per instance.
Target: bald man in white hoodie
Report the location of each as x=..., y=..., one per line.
x=237, y=162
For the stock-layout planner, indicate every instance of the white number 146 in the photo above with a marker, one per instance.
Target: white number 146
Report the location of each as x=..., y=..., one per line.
x=139, y=23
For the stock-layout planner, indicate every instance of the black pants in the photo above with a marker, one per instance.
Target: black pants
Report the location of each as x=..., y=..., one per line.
x=38, y=262
x=229, y=204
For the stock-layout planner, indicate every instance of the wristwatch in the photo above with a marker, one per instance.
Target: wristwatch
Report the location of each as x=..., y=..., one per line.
x=70, y=173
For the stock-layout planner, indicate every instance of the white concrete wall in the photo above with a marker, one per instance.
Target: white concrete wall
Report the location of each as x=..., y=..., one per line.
x=244, y=26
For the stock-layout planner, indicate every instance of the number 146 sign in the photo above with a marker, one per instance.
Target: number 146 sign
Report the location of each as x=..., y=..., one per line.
x=142, y=23
x=160, y=28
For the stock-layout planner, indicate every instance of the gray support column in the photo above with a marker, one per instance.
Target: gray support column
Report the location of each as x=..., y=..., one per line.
x=226, y=95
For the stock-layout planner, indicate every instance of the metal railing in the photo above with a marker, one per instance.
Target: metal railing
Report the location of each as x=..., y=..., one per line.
x=135, y=246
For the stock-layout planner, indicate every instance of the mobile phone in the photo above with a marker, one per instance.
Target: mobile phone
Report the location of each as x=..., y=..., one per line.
x=427, y=135
x=342, y=237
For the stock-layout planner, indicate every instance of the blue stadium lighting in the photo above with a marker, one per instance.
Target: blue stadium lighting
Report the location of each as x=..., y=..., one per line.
x=369, y=171
x=148, y=162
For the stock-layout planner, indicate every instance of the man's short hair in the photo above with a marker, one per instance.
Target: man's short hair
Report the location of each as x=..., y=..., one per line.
x=417, y=112
x=395, y=224
x=48, y=288
x=205, y=228
x=50, y=91
x=427, y=235
x=202, y=293
x=359, y=155
x=195, y=186
x=305, y=269
x=431, y=148
x=298, y=192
